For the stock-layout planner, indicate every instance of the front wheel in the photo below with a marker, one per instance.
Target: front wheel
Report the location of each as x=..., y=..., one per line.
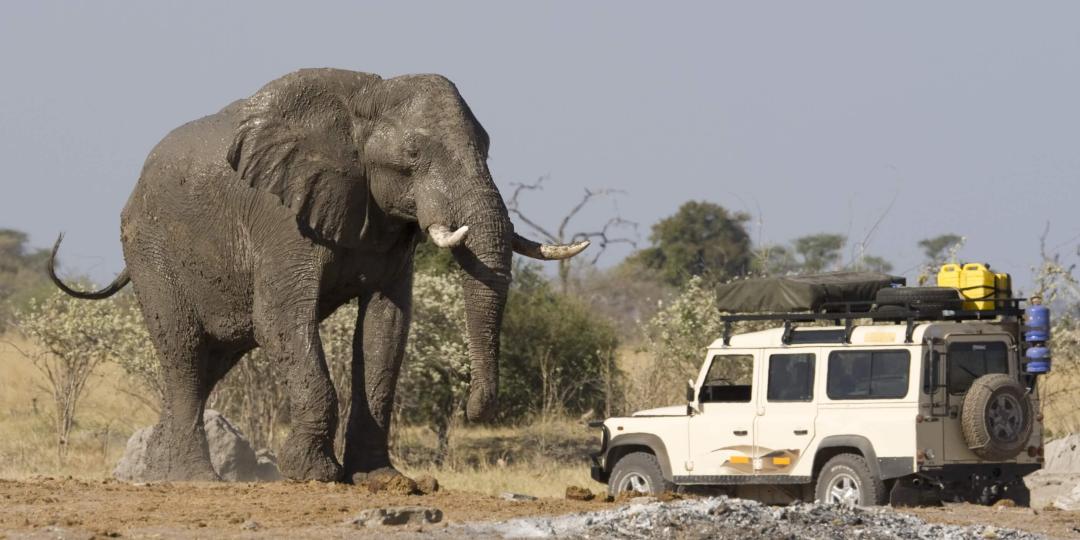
x=846, y=479
x=637, y=474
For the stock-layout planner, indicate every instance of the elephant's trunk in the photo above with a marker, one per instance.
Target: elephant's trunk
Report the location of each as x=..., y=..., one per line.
x=485, y=257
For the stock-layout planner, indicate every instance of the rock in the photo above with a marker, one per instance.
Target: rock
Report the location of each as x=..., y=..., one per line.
x=1063, y=455
x=1069, y=502
x=397, y=515
x=231, y=454
x=266, y=468
x=132, y=465
x=427, y=484
x=516, y=497
x=578, y=493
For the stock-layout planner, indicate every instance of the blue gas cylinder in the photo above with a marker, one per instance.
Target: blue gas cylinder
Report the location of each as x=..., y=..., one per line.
x=1038, y=360
x=1037, y=329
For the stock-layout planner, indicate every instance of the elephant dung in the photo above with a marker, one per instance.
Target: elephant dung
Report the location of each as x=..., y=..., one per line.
x=231, y=454
x=578, y=493
x=397, y=515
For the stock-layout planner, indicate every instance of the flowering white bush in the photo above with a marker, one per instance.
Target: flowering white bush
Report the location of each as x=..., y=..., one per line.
x=72, y=338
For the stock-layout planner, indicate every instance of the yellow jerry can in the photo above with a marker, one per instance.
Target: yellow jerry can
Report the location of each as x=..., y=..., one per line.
x=1002, y=286
x=978, y=283
x=949, y=276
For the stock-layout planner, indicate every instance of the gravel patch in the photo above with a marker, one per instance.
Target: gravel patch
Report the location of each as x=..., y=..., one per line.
x=727, y=518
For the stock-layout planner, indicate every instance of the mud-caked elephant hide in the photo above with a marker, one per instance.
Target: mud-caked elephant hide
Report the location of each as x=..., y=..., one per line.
x=251, y=225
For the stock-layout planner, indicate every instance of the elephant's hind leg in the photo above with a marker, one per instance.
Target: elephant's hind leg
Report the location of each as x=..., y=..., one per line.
x=177, y=448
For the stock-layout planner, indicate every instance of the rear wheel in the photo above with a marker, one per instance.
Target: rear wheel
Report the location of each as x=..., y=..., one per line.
x=637, y=474
x=846, y=480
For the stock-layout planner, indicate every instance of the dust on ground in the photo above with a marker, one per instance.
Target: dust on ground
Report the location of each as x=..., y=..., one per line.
x=73, y=508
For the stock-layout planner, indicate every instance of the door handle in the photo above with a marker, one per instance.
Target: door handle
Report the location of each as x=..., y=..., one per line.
x=801, y=432
x=740, y=432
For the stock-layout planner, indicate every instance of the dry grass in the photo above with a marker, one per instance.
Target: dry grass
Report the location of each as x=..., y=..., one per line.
x=540, y=459
x=105, y=420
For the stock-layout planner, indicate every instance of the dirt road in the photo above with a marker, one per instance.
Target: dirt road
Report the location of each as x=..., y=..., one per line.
x=72, y=508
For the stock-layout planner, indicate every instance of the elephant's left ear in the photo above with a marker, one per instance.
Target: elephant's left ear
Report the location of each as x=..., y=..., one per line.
x=295, y=139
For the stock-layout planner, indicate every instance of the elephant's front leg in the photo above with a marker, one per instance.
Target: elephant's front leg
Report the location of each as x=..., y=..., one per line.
x=378, y=348
x=291, y=338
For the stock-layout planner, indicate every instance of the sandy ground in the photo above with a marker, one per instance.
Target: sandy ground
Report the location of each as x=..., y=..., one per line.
x=71, y=508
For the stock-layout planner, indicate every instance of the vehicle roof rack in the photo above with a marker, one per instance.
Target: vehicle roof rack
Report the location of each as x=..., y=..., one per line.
x=846, y=313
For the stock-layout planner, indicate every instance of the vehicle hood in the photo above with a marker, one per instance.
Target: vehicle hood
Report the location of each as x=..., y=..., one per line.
x=672, y=410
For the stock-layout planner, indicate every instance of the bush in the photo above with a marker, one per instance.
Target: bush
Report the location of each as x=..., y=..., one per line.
x=558, y=357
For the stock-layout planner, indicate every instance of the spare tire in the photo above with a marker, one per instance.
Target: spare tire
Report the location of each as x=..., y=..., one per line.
x=996, y=417
x=916, y=296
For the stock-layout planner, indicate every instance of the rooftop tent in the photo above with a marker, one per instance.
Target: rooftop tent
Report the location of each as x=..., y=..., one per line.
x=801, y=293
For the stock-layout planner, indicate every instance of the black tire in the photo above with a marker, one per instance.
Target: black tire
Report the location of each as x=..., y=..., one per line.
x=996, y=417
x=849, y=472
x=640, y=472
x=920, y=298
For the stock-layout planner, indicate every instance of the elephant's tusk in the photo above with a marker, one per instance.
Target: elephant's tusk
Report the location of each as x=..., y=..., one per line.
x=445, y=238
x=547, y=252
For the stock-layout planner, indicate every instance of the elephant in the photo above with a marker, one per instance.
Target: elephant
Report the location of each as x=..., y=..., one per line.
x=248, y=227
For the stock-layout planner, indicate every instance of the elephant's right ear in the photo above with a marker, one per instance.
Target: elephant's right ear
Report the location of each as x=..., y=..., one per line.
x=295, y=139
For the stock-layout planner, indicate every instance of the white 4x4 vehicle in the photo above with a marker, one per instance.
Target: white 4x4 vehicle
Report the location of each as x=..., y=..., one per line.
x=906, y=403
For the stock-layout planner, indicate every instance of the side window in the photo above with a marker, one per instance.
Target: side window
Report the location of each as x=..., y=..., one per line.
x=868, y=374
x=791, y=377
x=969, y=361
x=729, y=380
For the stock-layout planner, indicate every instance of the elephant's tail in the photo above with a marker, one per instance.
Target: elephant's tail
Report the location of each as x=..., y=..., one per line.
x=121, y=280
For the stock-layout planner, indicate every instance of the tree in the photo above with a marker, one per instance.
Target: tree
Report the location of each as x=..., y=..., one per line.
x=775, y=260
x=820, y=252
x=557, y=355
x=70, y=338
x=873, y=263
x=607, y=235
x=21, y=276
x=940, y=249
x=700, y=239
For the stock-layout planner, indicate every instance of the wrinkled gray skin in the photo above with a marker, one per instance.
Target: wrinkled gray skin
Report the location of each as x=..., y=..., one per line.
x=250, y=226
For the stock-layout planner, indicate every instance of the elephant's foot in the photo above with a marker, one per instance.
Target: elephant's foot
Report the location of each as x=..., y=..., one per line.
x=177, y=458
x=305, y=458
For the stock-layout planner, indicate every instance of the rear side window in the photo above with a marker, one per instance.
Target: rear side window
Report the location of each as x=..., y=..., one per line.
x=868, y=374
x=969, y=361
x=791, y=377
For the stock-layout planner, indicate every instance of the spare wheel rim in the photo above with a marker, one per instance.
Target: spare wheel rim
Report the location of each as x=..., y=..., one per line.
x=1004, y=418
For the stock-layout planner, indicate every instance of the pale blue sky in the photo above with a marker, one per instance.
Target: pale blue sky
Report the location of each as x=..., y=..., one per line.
x=812, y=116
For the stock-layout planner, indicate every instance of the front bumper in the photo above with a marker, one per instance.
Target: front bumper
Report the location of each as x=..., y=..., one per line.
x=597, y=471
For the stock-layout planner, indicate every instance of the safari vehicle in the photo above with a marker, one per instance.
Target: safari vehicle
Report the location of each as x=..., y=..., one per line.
x=915, y=395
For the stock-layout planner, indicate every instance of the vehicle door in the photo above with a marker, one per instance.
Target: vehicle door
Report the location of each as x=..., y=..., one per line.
x=786, y=411
x=721, y=430
x=968, y=357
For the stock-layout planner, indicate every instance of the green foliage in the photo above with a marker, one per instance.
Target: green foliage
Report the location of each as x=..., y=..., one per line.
x=557, y=355
x=941, y=248
x=820, y=252
x=71, y=338
x=22, y=274
x=431, y=259
x=700, y=239
x=873, y=263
